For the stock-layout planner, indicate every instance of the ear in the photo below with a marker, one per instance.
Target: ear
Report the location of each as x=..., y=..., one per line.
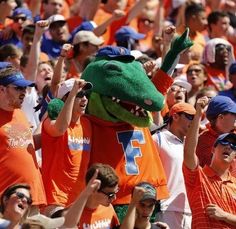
x=175, y=116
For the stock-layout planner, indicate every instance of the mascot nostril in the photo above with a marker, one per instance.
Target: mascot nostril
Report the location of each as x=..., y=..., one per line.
x=112, y=67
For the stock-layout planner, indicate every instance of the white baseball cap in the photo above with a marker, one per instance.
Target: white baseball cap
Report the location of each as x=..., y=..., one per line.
x=183, y=83
x=87, y=36
x=65, y=87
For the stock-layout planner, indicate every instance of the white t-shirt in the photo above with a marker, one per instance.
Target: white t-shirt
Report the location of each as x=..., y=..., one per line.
x=171, y=153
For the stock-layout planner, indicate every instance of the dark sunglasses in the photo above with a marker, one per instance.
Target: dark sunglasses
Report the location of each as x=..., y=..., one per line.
x=18, y=88
x=225, y=143
x=16, y=19
x=188, y=116
x=190, y=71
x=21, y=196
x=221, y=47
x=110, y=195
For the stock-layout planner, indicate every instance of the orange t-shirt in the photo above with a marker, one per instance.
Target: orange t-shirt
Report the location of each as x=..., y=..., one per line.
x=17, y=155
x=129, y=150
x=64, y=163
x=205, y=187
x=99, y=218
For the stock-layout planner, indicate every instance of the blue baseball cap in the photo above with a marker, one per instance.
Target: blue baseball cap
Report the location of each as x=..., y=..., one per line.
x=85, y=25
x=127, y=32
x=225, y=136
x=114, y=52
x=24, y=11
x=232, y=68
x=15, y=78
x=219, y=105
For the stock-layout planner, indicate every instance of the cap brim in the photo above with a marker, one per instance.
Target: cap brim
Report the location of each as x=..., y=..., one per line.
x=138, y=36
x=233, y=109
x=23, y=83
x=96, y=41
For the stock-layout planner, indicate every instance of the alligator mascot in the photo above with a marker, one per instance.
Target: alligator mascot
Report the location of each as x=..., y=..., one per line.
x=119, y=110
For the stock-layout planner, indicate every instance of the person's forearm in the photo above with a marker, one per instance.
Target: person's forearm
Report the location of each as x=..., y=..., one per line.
x=101, y=29
x=33, y=61
x=57, y=75
x=75, y=211
x=64, y=118
x=129, y=220
x=190, y=144
x=135, y=10
x=230, y=219
x=159, y=19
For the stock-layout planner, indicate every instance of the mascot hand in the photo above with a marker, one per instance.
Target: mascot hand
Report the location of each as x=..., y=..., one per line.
x=179, y=45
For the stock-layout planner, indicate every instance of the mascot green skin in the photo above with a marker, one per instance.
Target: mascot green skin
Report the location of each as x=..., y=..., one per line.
x=119, y=111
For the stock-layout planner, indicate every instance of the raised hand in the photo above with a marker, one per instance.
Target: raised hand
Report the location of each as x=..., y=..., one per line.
x=94, y=184
x=201, y=104
x=137, y=194
x=66, y=50
x=41, y=27
x=215, y=212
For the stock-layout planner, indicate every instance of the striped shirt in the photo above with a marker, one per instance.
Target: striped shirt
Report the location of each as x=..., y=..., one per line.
x=205, y=187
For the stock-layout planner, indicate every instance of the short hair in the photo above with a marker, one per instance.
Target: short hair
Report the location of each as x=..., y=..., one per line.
x=214, y=17
x=193, y=9
x=9, y=191
x=8, y=50
x=106, y=174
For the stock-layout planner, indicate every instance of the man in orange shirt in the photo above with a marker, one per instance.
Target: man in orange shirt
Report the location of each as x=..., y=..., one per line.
x=213, y=185
x=17, y=151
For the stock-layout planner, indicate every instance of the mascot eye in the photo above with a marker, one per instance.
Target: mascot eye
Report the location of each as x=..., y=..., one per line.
x=112, y=66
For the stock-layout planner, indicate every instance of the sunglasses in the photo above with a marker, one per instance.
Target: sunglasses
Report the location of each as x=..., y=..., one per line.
x=16, y=19
x=225, y=143
x=190, y=71
x=110, y=195
x=21, y=196
x=188, y=116
x=177, y=88
x=18, y=88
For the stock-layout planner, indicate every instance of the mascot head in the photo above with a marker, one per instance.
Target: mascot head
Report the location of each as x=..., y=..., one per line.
x=122, y=92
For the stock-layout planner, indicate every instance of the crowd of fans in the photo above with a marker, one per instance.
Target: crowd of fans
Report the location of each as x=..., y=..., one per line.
x=46, y=179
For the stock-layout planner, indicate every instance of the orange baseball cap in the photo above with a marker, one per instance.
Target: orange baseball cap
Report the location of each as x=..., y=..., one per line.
x=183, y=107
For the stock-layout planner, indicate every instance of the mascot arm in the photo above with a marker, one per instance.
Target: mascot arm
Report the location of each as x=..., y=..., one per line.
x=162, y=79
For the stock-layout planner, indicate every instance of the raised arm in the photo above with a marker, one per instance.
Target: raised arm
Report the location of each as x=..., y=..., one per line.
x=59, y=126
x=32, y=65
x=75, y=211
x=190, y=157
x=129, y=220
x=135, y=10
x=116, y=15
x=58, y=70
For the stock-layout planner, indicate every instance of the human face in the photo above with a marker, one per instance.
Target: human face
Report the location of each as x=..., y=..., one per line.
x=225, y=151
x=80, y=105
x=44, y=76
x=220, y=29
x=201, y=21
x=59, y=31
x=175, y=95
x=14, y=96
x=107, y=195
x=20, y=21
x=222, y=55
x=145, y=209
x=15, y=59
x=9, y=6
x=27, y=41
x=226, y=122
x=17, y=204
x=53, y=7
x=183, y=120
x=196, y=76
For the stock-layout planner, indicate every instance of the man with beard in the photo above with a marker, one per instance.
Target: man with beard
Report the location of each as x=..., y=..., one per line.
x=17, y=152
